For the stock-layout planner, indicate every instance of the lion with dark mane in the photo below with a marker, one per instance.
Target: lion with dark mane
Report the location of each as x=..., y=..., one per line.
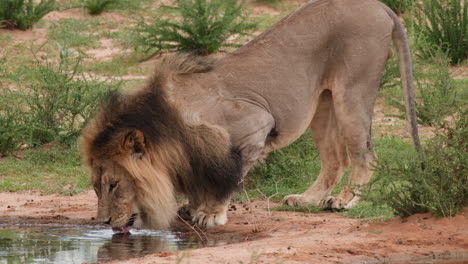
x=198, y=126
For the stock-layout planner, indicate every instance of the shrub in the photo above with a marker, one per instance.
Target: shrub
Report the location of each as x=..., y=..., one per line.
x=96, y=7
x=203, y=27
x=22, y=14
x=399, y=6
x=53, y=102
x=437, y=94
x=12, y=124
x=444, y=24
x=441, y=187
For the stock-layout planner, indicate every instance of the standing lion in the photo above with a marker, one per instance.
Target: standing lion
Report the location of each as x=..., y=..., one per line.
x=198, y=126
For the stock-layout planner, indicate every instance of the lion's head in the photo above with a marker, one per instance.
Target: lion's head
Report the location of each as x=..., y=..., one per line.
x=141, y=153
x=127, y=196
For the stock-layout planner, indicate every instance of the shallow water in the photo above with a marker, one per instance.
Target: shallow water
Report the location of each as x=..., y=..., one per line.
x=48, y=244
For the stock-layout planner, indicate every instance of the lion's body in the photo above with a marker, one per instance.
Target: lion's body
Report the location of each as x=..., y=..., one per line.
x=318, y=68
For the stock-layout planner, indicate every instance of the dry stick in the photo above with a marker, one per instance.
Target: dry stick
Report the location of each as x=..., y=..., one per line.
x=248, y=197
x=194, y=230
x=269, y=197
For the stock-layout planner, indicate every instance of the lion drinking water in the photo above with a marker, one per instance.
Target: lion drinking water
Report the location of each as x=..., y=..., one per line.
x=198, y=126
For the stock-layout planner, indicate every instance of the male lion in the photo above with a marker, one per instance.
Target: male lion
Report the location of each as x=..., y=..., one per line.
x=198, y=126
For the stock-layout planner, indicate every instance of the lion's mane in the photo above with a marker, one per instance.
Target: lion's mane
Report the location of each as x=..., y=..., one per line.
x=174, y=157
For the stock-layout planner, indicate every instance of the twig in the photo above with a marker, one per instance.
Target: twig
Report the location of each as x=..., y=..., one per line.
x=269, y=197
x=204, y=240
x=248, y=197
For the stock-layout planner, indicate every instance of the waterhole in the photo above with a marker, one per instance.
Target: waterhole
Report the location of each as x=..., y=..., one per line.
x=52, y=244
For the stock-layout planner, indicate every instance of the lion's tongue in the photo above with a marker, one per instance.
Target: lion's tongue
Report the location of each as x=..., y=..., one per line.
x=121, y=229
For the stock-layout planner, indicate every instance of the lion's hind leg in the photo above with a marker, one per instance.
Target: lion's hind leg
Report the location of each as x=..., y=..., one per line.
x=353, y=109
x=332, y=151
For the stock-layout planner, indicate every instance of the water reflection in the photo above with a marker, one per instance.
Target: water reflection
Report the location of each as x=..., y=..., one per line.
x=80, y=244
x=125, y=246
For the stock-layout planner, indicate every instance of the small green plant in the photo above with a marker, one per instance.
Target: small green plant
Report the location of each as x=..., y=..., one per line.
x=96, y=7
x=399, y=6
x=202, y=26
x=441, y=187
x=444, y=24
x=22, y=14
x=53, y=102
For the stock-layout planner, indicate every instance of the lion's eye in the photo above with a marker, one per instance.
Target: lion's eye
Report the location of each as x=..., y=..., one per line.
x=112, y=186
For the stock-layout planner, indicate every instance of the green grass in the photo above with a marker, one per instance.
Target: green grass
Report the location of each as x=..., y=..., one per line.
x=370, y=212
x=75, y=32
x=118, y=66
x=54, y=170
x=302, y=209
x=285, y=171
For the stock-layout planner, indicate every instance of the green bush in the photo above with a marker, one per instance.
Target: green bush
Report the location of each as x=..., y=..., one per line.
x=96, y=7
x=436, y=93
x=52, y=103
x=444, y=24
x=22, y=14
x=399, y=6
x=203, y=27
x=441, y=187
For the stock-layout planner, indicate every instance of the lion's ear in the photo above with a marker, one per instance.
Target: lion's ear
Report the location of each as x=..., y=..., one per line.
x=134, y=143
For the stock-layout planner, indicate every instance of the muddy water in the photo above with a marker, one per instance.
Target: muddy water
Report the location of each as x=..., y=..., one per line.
x=46, y=244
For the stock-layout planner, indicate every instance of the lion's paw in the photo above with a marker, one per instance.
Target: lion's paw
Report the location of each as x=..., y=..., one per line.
x=293, y=200
x=334, y=203
x=205, y=220
x=337, y=203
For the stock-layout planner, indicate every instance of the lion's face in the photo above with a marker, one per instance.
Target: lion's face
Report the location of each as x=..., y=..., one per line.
x=117, y=204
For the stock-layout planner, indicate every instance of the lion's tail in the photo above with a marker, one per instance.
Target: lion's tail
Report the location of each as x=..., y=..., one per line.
x=406, y=72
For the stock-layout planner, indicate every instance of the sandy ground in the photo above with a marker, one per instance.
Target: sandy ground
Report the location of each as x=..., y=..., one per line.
x=256, y=235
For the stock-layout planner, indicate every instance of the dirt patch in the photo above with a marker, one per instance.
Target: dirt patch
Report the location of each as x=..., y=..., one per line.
x=262, y=236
